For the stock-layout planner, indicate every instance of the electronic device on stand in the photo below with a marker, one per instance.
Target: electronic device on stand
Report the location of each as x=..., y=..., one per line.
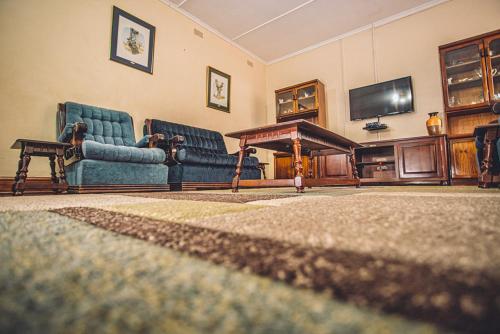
x=373, y=126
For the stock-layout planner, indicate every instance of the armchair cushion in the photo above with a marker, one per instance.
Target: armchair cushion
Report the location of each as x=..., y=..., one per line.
x=208, y=157
x=108, y=152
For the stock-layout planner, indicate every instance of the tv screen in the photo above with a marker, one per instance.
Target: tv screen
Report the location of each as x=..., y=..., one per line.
x=385, y=98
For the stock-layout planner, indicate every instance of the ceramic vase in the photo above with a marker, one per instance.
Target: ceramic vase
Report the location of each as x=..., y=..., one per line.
x=434, y=124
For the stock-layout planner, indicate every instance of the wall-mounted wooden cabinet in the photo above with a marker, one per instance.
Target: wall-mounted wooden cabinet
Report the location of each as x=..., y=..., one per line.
x=305, y=100
x=470, y=71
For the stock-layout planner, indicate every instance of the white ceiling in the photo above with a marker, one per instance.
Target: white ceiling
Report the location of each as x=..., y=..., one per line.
x=275, y=29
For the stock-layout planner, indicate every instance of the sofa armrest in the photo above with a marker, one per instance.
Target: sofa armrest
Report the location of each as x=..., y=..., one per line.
x=248, y=151
x=150, y=141
x=174, y=144
x=73, y=134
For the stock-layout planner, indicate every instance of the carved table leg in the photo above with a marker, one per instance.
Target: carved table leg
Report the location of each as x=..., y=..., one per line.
x=311, y=163
x=62, y=174
x=54, y=181
x=352, y=159
x=299, y=176
x=487, y=163
x=22, y=173
x=239, y=165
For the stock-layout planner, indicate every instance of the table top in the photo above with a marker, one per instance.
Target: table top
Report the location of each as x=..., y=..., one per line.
x=302, y=126
x=19, y=143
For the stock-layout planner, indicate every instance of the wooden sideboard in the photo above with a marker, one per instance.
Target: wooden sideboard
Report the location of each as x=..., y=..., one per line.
x=417, y=160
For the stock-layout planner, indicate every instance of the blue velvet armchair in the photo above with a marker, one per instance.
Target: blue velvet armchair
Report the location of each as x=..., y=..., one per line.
x=198, y=158
x=104, y=151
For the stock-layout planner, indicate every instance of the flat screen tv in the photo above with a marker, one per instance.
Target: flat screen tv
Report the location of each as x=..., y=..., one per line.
x=381, y=99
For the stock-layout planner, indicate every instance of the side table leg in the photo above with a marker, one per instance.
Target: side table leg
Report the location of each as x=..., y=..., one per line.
x=352, y=160
x=54, y=180
x=22, y=174
x=299, y=176
x=239, y=165
x=62, y=174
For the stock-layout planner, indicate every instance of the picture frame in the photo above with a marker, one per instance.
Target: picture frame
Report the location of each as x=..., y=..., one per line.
x=218, y=89
x=132, y=41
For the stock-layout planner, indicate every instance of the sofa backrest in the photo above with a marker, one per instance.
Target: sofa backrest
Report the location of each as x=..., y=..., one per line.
x=103, y=125
x=194, y=137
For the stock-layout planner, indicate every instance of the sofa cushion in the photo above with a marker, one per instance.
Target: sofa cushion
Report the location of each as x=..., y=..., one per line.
x=211, y=141
x=108, y=152
x=191, y=155
x=103, y=125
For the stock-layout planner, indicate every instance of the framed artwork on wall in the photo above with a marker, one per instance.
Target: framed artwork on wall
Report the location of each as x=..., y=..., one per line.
x=218, y=89
x=132, y=41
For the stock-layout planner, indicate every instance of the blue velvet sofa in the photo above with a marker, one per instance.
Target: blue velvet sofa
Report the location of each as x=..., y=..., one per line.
x=105, y=152
x=198, y=158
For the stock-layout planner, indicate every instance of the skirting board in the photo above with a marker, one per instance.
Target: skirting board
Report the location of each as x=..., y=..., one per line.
x=42, y=185
x=189, y=186
x=34, y=185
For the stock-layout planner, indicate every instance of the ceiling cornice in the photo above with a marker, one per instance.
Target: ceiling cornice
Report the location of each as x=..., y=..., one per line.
x=211, y=29
x=376, y=24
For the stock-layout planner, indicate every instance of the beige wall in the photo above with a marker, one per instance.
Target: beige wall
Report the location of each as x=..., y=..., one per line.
x=58, y=50
x=405, y=47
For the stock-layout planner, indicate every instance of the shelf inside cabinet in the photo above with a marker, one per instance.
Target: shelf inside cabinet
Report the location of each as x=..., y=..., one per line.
x=464, y=64
x=465, y=84
x=306, y=97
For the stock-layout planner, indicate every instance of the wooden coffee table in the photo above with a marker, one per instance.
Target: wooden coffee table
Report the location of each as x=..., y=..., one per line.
x=299, y=137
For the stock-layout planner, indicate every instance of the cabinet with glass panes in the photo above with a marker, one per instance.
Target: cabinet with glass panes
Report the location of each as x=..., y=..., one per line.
x=305, y=100
x=470, y=71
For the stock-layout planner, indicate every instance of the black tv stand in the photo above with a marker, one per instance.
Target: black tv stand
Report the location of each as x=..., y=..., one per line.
x=375, y=126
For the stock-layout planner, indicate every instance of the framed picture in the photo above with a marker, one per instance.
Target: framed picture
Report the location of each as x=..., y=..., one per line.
x=218, y=89
x=132, y=41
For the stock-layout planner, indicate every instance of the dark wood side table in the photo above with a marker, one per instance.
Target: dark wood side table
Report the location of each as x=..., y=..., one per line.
x=38, y=148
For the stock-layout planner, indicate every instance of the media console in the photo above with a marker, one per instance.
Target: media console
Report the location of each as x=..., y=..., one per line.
x=404, y=161
x=417, y=160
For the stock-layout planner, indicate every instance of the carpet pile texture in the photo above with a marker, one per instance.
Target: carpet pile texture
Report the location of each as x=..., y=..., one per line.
x=334, y=260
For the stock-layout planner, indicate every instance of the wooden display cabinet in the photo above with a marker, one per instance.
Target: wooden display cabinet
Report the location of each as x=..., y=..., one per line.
x=470, y=71
x=302, y=101
x=305, y=101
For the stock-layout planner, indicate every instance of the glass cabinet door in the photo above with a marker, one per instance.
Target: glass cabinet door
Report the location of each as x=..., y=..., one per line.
x=284, y=103
x=306, y=98
x=493, y=55
x=464, y=76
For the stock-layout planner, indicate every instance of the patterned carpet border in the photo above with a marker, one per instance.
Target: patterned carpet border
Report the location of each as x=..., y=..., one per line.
x=211, y=197
x=465, y=301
